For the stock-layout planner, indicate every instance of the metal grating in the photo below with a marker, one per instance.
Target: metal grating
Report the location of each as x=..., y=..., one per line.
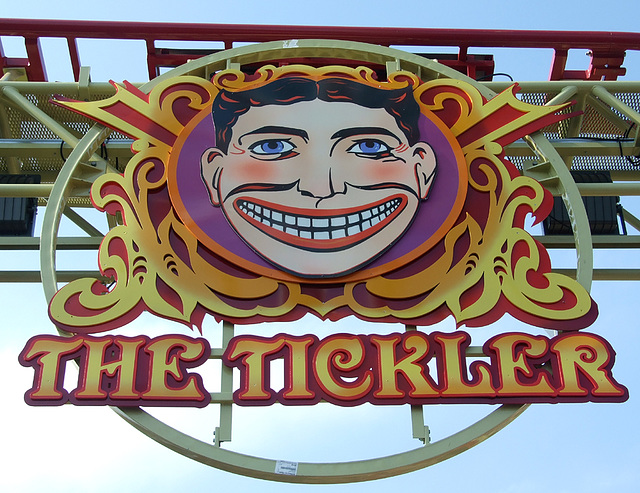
x=595, y=125
x=556, y=130
x=631, y=99
x=587, y=163
x=23, y=127
x=603, y=163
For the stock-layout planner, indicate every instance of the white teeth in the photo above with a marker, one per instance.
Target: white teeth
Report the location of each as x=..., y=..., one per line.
x=320, y=223
x=319, y=228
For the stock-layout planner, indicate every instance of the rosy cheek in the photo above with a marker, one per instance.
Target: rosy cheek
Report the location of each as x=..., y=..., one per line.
x=390, y=173
x=252, y=171
x=263, y=173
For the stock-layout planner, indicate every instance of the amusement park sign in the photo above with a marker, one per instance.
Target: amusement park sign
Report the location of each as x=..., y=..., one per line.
x=297, y=190
x=342, y=369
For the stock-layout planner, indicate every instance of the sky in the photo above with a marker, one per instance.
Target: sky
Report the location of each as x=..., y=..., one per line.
x=567, y=447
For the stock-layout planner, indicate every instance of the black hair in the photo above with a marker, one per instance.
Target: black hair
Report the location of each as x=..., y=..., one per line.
x=229, y=106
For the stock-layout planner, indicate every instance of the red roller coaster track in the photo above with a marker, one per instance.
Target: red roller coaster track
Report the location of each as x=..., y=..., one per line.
x=606, y=49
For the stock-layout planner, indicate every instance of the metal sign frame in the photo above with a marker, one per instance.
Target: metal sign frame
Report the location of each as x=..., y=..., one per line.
x=545, y=161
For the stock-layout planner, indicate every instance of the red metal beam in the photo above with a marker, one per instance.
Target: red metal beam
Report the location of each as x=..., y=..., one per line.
x=608, y=46
x=382, y=35
x=35, y=69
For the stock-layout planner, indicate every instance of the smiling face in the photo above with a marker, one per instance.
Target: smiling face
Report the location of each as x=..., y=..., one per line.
x=319, y=188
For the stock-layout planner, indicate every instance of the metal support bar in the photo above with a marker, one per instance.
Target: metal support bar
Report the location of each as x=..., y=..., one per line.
x=419, y=430
x=575, y=123
x=630, y=219
x=64, y=243
x=57, y=201
x=558, y=64
x=14, y=166
x=31, y=109
x=393, y=66
x=606, y=112
x=575, y=206
x=84, y=82
x=25, y=190
x=72, y=43
x=36, y=69
x=599, y=241
x=606, y=274
x=574, y=147
x=565, y=95
x=223, y=432
x=67, y=88
x=151, y=51
x=614, y=102
x=112, y=220
x=28, y=107
x=623, y=108
x=549, y=87
x=608, y=189
x=50, y=148
x=82, y=223
x=222, y=398
x=36, y=276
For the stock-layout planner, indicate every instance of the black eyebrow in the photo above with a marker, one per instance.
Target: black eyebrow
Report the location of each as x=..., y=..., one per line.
x=349, y=132
x=275, y=129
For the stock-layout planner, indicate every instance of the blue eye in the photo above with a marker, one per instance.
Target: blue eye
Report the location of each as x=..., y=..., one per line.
x=272, y=147
x=369, y=148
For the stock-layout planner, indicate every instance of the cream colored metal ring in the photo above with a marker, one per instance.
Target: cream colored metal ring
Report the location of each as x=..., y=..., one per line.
x=339, y=472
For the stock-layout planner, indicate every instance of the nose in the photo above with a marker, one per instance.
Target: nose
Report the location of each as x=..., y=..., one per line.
x=320, y=177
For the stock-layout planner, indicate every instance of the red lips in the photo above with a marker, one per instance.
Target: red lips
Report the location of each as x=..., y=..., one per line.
x=320, y=229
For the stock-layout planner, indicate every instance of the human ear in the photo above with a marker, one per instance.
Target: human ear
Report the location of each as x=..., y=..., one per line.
x=210, y=169
x=425, y=167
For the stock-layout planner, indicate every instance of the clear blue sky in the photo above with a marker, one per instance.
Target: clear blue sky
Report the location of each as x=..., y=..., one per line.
x=577, y=447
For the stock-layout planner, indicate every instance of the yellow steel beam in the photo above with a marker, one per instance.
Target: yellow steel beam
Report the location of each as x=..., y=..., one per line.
x=63, y=243
x=606, y=274
x=631, y=219
x=22, y=103
x=25, y=189
x=608, y=189
x=36, y=276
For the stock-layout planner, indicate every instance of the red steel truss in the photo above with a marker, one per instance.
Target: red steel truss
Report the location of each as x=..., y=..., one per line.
x=606, y=49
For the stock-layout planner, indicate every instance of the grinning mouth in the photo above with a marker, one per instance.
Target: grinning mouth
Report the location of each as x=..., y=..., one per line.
x=324, y=230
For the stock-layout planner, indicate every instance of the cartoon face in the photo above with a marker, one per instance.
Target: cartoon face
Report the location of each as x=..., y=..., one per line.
x=319, y=188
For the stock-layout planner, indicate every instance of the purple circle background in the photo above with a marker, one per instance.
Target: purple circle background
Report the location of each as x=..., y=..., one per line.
x=195, y=198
